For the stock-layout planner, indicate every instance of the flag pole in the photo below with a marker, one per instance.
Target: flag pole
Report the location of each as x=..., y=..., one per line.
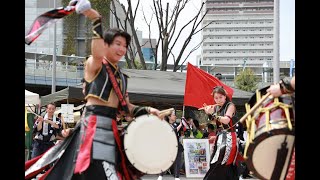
x=183, y=111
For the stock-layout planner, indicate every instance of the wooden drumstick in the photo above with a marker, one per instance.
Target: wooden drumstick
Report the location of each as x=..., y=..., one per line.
x=255, y=107
x=34, y=113
x=209, y=105
x=166, y=112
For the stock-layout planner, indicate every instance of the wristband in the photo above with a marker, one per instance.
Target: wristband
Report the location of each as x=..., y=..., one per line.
x=97, y=28
x=285, y=86
x=138, y=111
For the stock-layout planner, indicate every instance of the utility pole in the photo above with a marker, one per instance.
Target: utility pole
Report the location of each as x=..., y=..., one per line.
x=54, y=56
x=276, y=67
x=244, y=64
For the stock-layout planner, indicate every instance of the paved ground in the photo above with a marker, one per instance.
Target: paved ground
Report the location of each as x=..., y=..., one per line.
x=170, y=177
x=182, y=177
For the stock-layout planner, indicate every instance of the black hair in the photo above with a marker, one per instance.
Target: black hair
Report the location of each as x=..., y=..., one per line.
x=211, y=126
x=166, y=118
x=112, y=33
x=53, y=104
x=196, y=123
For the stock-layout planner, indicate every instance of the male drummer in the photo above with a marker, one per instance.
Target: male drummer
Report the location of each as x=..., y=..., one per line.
x=95, y=151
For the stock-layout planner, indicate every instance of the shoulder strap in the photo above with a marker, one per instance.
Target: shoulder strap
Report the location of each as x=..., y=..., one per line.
x=116, y=88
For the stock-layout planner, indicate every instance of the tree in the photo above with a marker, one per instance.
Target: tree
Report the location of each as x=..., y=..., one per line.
x=127, y=24
x=246, y=80
x=168, y=35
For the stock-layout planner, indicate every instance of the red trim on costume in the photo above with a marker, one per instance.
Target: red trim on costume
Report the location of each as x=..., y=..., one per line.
x=292, y=167
x=118, y=141
x=45, y=174
x=232, y=128
x=233, y=148
x=32, y=161
x=116, y=87
x=83, y=159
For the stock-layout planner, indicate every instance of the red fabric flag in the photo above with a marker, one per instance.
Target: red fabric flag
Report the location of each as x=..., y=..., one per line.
x=199, y=86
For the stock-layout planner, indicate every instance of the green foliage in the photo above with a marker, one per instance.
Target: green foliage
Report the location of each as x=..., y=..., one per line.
x=70, y=30
x=246, y=80
x=137, y=62
x=69, y=44
x=70, y=26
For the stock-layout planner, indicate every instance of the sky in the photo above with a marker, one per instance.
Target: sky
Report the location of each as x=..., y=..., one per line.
x=287, y=27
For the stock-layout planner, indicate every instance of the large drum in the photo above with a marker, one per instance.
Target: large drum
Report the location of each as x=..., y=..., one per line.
x=271, y=135
x=150, y=144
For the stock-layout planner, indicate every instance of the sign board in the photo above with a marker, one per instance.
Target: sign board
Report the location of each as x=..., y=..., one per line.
x=196, y=157
x=67, y=113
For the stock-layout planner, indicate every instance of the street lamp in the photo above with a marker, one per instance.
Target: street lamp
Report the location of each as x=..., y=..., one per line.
x=54, y=57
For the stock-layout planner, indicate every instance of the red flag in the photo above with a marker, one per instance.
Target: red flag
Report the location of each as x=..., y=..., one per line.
x=199, y=86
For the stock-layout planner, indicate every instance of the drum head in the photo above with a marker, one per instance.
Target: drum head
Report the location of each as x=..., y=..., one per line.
x=150, y=144
x=267, y=153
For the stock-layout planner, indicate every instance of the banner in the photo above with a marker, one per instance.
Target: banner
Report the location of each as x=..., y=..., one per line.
x=199, y=86
x=67, y=113
x=196, y=157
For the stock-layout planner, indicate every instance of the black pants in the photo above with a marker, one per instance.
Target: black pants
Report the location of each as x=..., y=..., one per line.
x=177, y=163
x=39, y=147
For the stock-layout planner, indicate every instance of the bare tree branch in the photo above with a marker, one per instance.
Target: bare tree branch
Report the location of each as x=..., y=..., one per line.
x=192, y=50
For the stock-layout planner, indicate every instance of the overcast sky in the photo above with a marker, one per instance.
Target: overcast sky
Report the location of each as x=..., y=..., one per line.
x=287, y=26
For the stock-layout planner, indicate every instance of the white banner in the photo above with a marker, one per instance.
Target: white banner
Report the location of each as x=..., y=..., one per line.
x=67, y=113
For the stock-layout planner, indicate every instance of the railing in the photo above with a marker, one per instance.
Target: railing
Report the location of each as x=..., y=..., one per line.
x=41, y=73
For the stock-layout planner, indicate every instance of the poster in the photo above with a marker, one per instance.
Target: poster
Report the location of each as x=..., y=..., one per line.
x=67, y=113
x=196, y=157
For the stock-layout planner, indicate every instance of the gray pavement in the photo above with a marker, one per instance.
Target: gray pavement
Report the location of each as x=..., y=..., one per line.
x=182, y=177
x=167, y=177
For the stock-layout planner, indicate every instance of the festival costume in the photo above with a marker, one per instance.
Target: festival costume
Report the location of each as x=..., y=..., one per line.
x=94, y=149
x=44, y=138
x=225, y=153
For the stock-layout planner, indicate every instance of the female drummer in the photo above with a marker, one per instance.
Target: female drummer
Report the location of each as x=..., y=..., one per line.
x=223, y=159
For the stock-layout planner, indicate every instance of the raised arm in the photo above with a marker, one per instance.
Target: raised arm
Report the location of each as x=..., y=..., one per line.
x=97, y=44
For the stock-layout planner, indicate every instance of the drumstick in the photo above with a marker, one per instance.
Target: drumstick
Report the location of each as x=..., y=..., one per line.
x=166, y=112
x=33, y=113
x=255, y=107
x=209, y=105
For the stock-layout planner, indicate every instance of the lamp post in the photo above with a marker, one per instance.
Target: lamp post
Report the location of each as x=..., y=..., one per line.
x=54, y=56
x=276, y=68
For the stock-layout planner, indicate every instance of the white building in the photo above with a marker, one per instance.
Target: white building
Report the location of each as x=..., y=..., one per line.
x=241, y=34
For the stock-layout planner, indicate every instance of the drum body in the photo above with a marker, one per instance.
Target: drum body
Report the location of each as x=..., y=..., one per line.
x=271, y=128
x=150, y=144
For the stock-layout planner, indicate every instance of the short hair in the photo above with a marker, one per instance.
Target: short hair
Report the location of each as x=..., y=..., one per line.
x=53, y=104
x=112, y=33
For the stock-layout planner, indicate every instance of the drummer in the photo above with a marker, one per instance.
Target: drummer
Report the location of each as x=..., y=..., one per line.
x=223, y=160
x=98, y=155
